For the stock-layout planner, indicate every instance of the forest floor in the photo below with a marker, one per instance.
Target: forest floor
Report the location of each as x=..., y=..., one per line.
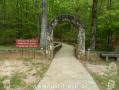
x=21, y=73
x=25, y=71
x=105, y=73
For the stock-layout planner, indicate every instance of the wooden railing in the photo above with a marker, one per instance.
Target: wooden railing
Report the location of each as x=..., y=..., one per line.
x=57, y=46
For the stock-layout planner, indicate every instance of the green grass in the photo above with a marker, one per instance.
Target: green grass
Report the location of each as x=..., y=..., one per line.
x=16, y=81
x=101, y=81
x=1, y=84
x=43, y=69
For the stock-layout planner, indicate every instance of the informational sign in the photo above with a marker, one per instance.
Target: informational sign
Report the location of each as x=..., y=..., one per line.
x=27, y=43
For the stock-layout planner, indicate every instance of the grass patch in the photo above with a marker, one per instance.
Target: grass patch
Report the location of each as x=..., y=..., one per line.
x=1, y=84
x=43, y=69
x=102, y=81
x=16, y=81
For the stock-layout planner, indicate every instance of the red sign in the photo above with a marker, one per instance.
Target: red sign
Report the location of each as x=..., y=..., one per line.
x=27, y=43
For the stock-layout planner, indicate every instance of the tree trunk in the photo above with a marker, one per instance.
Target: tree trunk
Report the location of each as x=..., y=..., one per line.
x=44, y=24
x=109, y=5
x=37, y=17
x=94, y=23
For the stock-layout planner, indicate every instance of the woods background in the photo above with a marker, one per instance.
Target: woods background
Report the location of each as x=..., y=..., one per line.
x=22, y=19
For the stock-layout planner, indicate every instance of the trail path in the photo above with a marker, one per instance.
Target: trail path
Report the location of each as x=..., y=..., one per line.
x=67, y=73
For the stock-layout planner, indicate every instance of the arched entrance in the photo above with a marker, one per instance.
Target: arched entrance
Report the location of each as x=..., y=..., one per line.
x=80, y=48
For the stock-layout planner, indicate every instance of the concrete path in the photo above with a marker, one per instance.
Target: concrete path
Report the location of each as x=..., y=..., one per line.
x=67, y=73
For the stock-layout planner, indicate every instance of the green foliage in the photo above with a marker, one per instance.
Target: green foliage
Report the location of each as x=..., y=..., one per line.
x=16, y=81
x=66, y=32
x=18, y=19
x=1, y=84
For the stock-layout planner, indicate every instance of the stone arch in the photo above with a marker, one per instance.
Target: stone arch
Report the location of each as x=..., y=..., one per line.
x=80, y=48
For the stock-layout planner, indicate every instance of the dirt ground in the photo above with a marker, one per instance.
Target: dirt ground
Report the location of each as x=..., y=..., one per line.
x=23, y=67
x=20, y=54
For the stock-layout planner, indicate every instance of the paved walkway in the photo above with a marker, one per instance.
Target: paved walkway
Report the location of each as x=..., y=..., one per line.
x=67, y=73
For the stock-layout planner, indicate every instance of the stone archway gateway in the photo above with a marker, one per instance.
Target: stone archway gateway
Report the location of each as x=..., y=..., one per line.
x=80, y=48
